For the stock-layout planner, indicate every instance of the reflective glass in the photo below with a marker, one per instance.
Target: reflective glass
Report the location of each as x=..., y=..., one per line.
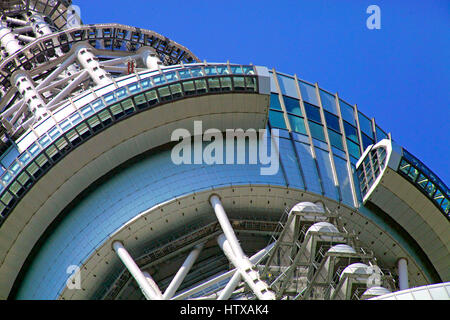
x=308, y=93
x=332, y=121
x=292, y=105
x=335, y=139
x=380, y=134
x=297, y=124
x=365, y=124
x=328, y=102
x=312, y=112
x=347, y=111
x=275, y=102
x=366, y=141
x=353, y=149
x=277, y=119
x=316, y=130
x=287, y=86
x=350, y=132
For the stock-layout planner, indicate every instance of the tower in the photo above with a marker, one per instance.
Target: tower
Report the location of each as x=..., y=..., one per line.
x=94, y=205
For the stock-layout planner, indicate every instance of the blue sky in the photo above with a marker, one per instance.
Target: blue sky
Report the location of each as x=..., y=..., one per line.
x=399, y=75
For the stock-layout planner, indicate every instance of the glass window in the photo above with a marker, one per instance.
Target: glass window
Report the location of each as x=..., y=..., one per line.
x=134, y=88
x=297, y=124
x=236, y=70
x=366, y=141
x=200, y=85
x=277, y=119
x=189, y=88
x=275, y=102
x=239, y=83
x=164, y=93
x=97, y=104
x=316, y=130
x=226, y=84
x=287, y=86
x=312, y=112
x=197, y=72
x=380, y=134
x=75, y=118
x=347, y=111
x=308, y=93
x=353, y=149
x=222, y=70
x=350, y=132
x=121, y=93
x=332, y=121
x=292, y=105
x=365, y=124
x=335, y=139
x=328, y=102
x=184, y=74
x=210, y=70
x=157, y=80
x=250, y=83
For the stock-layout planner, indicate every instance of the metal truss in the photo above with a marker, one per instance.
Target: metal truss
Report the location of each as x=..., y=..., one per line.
x=44, y=60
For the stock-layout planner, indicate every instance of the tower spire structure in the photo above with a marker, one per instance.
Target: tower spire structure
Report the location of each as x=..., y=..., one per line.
x=48, y=57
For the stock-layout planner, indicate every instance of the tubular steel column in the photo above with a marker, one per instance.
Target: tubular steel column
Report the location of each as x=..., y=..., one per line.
x=89, y=62
x=182, y=272
x=403, y=281
x=226, y=226
x=247, y=271
x=153, y=284
x=133, y=268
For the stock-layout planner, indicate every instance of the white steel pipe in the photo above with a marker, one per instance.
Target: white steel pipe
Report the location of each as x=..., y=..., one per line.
x=226, y=226
x=134, y=270
x=8, y=40
x=247, y=271
x=254, y=259
x=89, y=62
x=183, y=271
x=31, y=96
x=153, y=284
x=236, y=279
x=403, y=281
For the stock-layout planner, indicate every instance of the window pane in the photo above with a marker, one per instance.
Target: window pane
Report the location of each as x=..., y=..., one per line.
x=328, y=102
x=335, y=139
x=308, y=93
x=350, y=132
x=297, y=124
x=366, y=141
x=380, y=134
x=287, y=86
x=353, y=149
x=274, y=101
x=292, y=105
x=347, y=112
x=316, y=130
x=365, y=124
x=276, y=119
x=312, y=112
x=332, y=121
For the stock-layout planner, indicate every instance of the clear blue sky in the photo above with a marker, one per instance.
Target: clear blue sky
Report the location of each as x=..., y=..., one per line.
x=400, y=74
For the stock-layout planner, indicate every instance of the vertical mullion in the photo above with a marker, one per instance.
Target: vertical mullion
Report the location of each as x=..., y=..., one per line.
x=280, y=98
x=327, y=138
x=308, y=131
x=361, y=147
x=347, y=155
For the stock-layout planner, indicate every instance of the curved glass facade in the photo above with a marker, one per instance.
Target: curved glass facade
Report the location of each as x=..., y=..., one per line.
x=321, y=138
